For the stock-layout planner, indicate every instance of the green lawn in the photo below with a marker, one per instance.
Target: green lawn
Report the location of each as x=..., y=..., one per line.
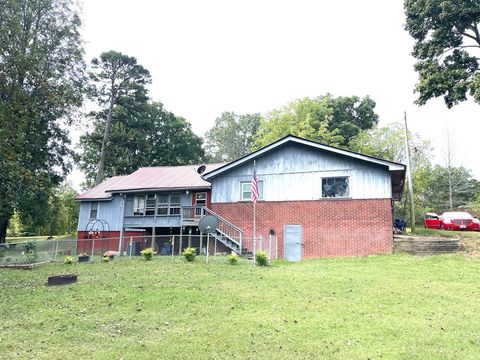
x=37, y=238
x=378, y=307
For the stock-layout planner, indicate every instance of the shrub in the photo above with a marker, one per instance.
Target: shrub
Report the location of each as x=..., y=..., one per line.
x=68, y=260
x=189, y=253
x=105, y=259
x=232, y=258
x=261, y=258
x=30, y=252
x=148, y=253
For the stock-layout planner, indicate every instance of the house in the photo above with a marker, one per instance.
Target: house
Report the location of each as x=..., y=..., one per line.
x=319, y=200
x=150, y=202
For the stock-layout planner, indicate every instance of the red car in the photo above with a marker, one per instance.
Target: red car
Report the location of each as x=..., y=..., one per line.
x=452, y=220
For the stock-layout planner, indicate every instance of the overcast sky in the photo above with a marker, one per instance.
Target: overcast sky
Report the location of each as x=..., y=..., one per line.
x=207, y=57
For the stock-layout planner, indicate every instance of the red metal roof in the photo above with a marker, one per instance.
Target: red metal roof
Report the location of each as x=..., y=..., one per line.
x=152, y=178
x=99, y=192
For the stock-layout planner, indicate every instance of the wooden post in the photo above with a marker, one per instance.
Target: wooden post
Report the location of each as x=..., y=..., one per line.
x=208, y=245
x=153, y=238
x=409, y=176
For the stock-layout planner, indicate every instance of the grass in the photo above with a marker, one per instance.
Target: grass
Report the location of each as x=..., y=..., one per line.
x=37, y=238
x=389, y=307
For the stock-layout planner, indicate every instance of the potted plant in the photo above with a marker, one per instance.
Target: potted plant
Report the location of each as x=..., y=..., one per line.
x=109, y=254
x=83, y=257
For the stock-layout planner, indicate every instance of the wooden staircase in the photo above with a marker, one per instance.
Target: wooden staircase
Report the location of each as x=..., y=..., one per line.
x=417, y=245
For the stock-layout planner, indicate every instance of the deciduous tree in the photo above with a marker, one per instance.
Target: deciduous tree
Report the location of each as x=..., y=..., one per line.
x=447, y=46
x=41, y=82
x=232, y=135
x=142, y=134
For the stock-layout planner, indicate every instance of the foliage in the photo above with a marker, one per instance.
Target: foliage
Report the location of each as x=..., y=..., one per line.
x=325, y=119
x=446, y=36
x=189, y=254
x=232, y=136
x=41, y=83
x=115, y=76
x=465, y=188
x=147, y=253
x=261, y=258
x=68, y=260
x=426, y=299
x=142, y=134
x=232, y=258
x=388, y=143
x=30, y=252
x=105, y=259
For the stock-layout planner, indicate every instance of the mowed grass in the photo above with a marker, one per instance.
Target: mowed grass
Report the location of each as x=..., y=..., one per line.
x=378, y=307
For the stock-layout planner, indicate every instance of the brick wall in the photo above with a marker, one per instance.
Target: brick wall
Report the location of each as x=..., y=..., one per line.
x=330, y=227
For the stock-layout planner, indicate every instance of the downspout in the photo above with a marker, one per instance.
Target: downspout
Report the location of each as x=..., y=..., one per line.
x=122, y=231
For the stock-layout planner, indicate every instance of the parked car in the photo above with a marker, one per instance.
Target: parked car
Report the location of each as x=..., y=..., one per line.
x=432, y=221
x=452, y=220
x=457, y=220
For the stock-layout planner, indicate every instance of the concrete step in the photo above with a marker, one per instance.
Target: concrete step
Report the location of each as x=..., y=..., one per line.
x=425, y=246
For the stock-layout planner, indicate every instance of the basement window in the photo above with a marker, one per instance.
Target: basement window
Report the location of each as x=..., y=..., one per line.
x=335, y=187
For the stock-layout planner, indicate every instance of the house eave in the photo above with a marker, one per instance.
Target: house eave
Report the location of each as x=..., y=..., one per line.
x=392, y=166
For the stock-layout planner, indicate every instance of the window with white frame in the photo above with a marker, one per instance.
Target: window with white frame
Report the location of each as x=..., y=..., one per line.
x=139, y=205
x=175, y=203
x=334, y=187
x=246, y=190
x=162, y=205
x=94, y=210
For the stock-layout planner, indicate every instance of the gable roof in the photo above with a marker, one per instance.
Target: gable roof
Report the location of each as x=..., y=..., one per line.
x=158, y=178
x=397, y=170
x=99, y=192
x=392, y=166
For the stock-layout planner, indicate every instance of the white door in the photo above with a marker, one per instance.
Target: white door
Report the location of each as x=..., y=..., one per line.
x=293, y=242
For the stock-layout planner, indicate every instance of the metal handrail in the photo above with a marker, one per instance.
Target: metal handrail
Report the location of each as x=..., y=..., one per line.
x=211, y=212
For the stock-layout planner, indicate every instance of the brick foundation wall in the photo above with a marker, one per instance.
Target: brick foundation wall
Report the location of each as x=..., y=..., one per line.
x=330, y=228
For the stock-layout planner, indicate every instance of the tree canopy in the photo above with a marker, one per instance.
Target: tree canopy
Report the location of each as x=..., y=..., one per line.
x=232, y=136
x=326, y=119
x=115, y=76
x=447, y=46
x=41, y=83
x=142, y=134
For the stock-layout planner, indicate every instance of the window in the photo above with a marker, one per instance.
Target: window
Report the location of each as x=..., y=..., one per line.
x=335, y=187
x=150, y=204
x=139, y=205
x=200, y=200
x=162, y=205
x=175, y=202
x=246, y=193
x=94, y=210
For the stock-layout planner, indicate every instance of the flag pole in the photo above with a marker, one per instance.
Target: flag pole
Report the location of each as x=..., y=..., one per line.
x=254, y=209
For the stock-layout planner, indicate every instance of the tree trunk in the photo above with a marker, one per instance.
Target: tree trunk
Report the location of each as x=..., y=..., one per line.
x=3, y=229
x=108, y=125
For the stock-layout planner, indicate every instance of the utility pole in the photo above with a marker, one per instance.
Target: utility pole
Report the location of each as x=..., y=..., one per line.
x=409, y=176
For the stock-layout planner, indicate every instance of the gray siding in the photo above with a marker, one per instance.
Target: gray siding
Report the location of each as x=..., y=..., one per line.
x=110, y=211
x=295, y=172
x=151, y=221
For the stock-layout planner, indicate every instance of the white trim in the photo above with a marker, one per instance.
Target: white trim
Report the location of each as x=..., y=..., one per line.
x=391, y=165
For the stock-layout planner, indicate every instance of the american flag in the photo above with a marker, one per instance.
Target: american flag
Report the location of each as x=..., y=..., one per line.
x=254, y=186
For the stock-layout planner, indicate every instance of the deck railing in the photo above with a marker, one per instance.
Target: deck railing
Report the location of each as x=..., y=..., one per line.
x=226, y=228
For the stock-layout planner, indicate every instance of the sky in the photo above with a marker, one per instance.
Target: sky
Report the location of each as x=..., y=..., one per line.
x=207, y=57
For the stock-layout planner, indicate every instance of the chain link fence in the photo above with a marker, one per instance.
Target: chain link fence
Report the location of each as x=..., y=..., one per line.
x=164, y=245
